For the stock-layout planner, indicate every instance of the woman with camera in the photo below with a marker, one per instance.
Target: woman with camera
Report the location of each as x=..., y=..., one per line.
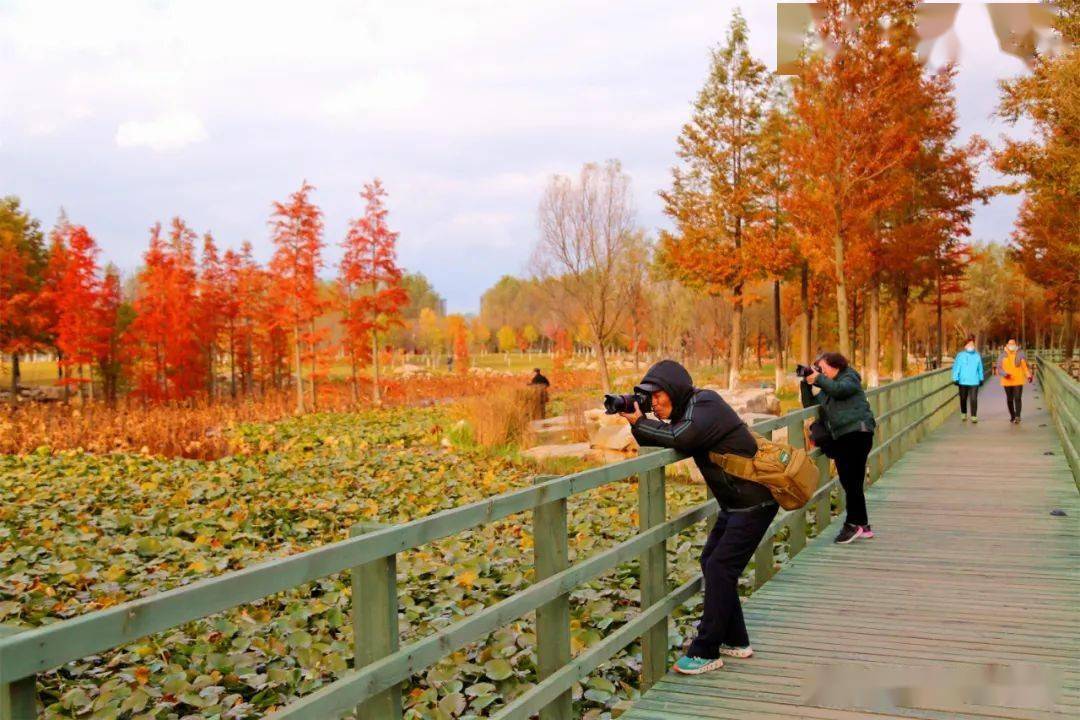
x=850, y=422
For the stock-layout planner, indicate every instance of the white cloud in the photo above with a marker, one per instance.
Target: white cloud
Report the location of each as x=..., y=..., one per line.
x=166, y=132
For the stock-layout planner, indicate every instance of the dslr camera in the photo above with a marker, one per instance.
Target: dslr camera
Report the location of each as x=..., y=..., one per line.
x=805, y=370
x=625, y=403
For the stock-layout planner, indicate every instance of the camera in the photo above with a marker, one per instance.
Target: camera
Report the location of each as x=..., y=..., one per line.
x=625, y=403
x=806, y=370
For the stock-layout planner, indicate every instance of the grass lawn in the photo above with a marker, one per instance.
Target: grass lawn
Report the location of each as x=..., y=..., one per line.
x=31, y=373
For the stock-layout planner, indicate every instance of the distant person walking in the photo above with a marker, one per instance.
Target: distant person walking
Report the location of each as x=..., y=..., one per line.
x=1012, y=367
x=967, y=373
x=847, y=415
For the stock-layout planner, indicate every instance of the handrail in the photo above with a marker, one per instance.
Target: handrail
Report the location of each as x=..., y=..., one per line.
x=1063, y=400
x=906, y=409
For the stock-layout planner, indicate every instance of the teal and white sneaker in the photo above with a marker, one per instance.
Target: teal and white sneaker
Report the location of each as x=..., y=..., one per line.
x=963, y=417
x=736, y=652
x=695, y=666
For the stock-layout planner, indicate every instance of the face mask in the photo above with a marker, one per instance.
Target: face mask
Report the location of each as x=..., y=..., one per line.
x=1010, y=348
x=970, y=347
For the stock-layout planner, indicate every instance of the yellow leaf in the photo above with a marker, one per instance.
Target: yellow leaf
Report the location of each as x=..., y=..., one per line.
x=466, y=578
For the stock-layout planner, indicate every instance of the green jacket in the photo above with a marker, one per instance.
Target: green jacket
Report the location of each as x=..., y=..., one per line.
x=844, y=406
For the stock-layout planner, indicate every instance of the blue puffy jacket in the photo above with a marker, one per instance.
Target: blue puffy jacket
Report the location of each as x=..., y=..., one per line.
x=967, y=368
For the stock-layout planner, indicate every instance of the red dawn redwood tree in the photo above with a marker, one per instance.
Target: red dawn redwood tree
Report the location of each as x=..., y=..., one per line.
x=297, y=230
x=78, y=332
x=369, y=283
x=22, y=267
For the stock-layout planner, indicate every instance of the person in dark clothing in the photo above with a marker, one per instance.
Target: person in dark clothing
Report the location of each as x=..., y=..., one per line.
x=695, y=422
x=540, y=384
x=850, y=421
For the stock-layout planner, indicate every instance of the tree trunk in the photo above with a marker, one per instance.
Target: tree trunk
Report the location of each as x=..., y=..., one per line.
x=15, y=374
x=778, y=335
x=841, y=297
x=815, y=324
x=899, y=318
x=940, y=349
x=804, y=316
x=736, y=339
x=601, y=363
x=355, y=386
x=1069, y=336
x=873, y=346
x=299, y=370
x=376, y=394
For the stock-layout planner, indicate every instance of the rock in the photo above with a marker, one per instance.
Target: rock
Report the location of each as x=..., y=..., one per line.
x=545, y=452
x=408, y=369
x=553, y=430
x=46, y=393
x=687, y=468
x=614, y=437
x=754, y=400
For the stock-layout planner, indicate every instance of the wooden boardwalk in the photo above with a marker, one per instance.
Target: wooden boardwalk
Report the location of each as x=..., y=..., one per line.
x=968, y=569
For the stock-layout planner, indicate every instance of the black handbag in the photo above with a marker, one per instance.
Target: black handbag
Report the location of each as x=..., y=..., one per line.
x=822, y=438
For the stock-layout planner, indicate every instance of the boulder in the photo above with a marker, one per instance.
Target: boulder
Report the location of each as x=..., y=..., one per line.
x=572, y=450
x=614, y=437
x=408, y=369
x=754, y=400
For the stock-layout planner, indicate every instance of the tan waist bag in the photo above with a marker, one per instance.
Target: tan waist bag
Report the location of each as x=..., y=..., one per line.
x=789, y=473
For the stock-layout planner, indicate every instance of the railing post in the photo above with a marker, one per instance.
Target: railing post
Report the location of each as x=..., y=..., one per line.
x=823, y=509
x=874, y=467
x=797, y=528
x=375, y=624
x=551, y=554
x=652, y=509
x=18, y=700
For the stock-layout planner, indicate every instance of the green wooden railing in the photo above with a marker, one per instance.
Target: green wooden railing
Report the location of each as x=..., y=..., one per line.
x=1062, y=395
x=906, y=410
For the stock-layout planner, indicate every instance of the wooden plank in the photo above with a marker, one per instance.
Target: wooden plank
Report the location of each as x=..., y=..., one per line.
x=18, y=700
x=652, y=511
x=551, y=552
x=375, y=624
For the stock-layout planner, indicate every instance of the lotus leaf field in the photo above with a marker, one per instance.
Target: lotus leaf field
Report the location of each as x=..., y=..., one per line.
x=80, y=532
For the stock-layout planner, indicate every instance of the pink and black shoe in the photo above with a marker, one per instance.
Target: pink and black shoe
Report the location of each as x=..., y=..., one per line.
x=867, y=533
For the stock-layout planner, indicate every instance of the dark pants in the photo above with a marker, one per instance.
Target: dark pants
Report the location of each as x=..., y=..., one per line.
x=729, y=548
x=850, y=455
x=1012, y=398
x=969, y=395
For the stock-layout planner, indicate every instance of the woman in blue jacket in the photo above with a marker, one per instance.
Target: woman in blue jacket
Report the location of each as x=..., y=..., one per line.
x=967, y=373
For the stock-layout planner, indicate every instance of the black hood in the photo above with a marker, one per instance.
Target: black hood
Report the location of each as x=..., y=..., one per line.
x=675, y=380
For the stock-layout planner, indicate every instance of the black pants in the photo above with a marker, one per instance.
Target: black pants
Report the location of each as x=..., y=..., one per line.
x=850, y=455
x=729, y=548
x=1012, y=398
x=969, y=395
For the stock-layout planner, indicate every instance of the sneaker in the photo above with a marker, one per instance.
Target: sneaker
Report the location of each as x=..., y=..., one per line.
x=963, y=417
x=695, y=666
x=848, y=534
x=867, y=532
x=736, y=652
x=1017, y=421
x=974, y=419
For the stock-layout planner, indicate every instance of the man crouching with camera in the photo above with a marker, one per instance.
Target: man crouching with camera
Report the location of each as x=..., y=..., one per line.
x=697, y=422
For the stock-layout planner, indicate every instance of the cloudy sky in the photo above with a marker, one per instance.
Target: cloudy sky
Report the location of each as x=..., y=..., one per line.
x=126, y=113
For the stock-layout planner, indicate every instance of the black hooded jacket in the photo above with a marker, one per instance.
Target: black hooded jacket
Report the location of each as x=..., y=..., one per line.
x=702, y=422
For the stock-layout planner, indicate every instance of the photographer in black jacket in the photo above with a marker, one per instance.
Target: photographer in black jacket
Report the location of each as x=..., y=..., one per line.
x=700, y=421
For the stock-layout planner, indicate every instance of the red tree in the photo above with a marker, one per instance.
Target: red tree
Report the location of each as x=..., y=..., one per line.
x=78, y=333
x=163, y=341
x=370, y=282
x=297, y=229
